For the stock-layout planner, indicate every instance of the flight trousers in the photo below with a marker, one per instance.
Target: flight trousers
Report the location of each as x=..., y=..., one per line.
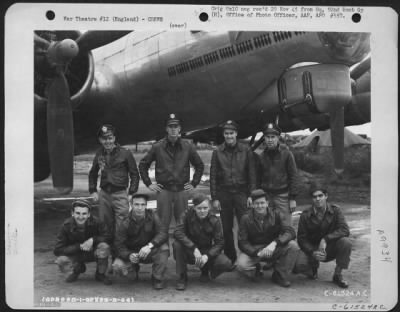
x=339, y=250
x=283, y=260
x=158, y=257
x=170, y=202
x=281, y=202
x=73, y=263
x=184, y=256
x=232, y=203
x=113, y=209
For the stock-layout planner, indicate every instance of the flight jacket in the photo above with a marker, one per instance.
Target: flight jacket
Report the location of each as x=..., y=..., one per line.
x=232, y=169
x=279, y=172
x=253, y=237
x=172, y=164
x=69, y=238
x=310, y=231
x=205, y=234
x=116, y=173
x=133, y=234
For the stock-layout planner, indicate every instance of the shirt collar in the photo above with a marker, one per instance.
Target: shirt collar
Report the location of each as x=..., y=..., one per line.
x=177, y=143
x=278, y=149
x=267, y=215
x=113, y=151
x=75, y=226
x=194, y=216
x=135, y=219
x=235, y=147
x=328, y=209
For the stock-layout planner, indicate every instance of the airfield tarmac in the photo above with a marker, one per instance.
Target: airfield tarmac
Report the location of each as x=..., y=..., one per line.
x=227, y=288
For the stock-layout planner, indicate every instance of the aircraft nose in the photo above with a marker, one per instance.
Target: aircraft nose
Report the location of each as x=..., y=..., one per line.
x=348, y=47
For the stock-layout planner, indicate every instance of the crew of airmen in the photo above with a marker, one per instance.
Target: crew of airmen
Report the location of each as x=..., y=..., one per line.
x=260, y=190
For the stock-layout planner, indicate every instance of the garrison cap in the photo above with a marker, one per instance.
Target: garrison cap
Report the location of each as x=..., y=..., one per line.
x=230, y=124
x=172, y=119
x=198, y=198
x=81, y=203
x=318, y=186
x=256, y=194
x=106, y=131
x=141, y=195
x=271, y=128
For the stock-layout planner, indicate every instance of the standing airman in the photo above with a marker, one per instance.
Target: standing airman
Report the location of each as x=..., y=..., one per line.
x=173, y=157
x=232, y=178
x=279, y=177
x=117, y=166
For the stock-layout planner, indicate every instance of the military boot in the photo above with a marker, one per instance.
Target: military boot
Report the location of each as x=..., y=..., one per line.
x=204, y=276
x=101, y=277
x=157, y=284
x=181, y=282
x=78, y=269
x=278, y=279
x=338, y=280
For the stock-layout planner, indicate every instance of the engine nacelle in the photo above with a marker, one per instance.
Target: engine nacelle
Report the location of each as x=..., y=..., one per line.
x=80, y=79
x=79, y=72
x=305, y=91
x=321, y=88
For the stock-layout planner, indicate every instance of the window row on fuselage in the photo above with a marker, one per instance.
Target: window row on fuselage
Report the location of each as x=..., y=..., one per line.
x=240, y=48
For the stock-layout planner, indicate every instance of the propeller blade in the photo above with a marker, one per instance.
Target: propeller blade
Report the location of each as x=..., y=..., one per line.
x=40, y=42
x=258, y=143
x=361, y=68
x=337, y=137
x=93, y=39
x=60, y=133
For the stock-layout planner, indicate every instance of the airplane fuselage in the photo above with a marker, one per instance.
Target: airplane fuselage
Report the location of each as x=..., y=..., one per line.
x=205, y=78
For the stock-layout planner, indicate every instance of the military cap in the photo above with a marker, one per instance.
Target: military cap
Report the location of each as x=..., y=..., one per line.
x=317, y=186
x=81, y=203
x=172, y=119
x=106, y=131
x=230, y=124
x=198, y=198
x=256, y=194
x=271, y=128
x=141, y=195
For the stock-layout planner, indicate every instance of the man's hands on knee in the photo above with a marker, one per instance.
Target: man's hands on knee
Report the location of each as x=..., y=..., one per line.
x=87, y=245
x=320, y=254
x=145, y=251
x=134, y=257
x=199, y=259
x=268, y=251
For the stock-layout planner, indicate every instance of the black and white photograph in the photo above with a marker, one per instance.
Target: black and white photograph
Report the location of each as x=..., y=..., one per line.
x=203, y=168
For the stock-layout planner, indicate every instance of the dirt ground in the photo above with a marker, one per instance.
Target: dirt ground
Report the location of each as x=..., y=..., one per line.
x=229, y=288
